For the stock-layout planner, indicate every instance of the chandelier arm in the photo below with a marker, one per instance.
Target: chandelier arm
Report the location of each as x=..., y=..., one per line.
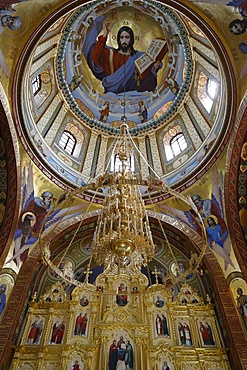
x=74, y=234
x=163, y=232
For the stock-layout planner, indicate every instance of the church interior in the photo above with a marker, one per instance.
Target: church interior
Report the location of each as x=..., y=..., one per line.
x=123, y=172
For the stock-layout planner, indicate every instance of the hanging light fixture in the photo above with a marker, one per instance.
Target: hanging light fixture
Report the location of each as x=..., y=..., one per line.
x=123, y=230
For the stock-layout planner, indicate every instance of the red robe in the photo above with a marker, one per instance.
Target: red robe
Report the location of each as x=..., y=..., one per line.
x=60, y=332
x=110, y=61
x=32, y=332
x=204, y=332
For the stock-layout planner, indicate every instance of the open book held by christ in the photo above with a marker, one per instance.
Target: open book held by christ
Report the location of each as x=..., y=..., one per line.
x=155, y=52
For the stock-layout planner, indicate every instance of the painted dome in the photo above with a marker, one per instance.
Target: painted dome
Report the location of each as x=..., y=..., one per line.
x=176, y=112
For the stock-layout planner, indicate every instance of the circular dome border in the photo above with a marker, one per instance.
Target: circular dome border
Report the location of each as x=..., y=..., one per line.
x=33, y=152
x=87, y=10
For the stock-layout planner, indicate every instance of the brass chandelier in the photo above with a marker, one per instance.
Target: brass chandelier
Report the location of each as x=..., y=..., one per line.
x=123, y=230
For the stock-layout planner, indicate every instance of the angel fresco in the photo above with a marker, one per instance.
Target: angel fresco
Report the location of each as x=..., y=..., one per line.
x=33, y=213
x=104, y=111
x=212, y=213
x=142, y=111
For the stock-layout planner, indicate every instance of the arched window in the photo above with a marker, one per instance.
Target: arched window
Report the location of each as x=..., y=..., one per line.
x=116, y=163
x=67, y=142
x=36, y=84
x=206, y=91
x=178, y=144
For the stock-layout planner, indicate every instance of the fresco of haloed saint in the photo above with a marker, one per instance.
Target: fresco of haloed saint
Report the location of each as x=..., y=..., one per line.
x=84, y=301
x=13, y=22
x=35, y=331
x=123, y=68
x=121, y=354
x=58, y=330
x=235, y=24
x=159, y=301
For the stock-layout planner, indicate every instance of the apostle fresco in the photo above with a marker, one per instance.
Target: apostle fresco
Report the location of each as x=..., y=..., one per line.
x=158, y=325
x=161, y=325
x=57, y=334
x=184, y=333
x=81, y=324
x=206, y=332
x=35, y=332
